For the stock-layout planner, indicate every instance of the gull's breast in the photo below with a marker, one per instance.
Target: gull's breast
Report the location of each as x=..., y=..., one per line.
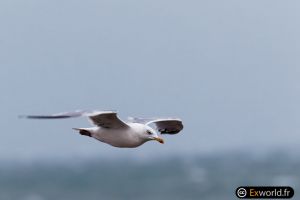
x=126, y=138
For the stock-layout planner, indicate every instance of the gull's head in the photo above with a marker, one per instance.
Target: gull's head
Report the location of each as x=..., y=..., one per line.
x=151, y=134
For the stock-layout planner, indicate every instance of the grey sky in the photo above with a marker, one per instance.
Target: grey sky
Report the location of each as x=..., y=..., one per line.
x=229, y=69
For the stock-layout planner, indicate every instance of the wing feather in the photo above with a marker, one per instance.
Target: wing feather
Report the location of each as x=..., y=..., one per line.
x=163, y=125
x=168, y=126
x=105, y=119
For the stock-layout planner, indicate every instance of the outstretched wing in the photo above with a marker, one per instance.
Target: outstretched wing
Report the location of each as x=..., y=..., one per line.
x=167, y=126
x=105, y=119
x=56, y=116
x=163, y=125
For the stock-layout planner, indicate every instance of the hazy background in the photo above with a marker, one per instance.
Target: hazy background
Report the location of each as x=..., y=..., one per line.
x=229, y=69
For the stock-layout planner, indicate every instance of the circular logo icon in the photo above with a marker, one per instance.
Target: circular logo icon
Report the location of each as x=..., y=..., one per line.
x=241, y=192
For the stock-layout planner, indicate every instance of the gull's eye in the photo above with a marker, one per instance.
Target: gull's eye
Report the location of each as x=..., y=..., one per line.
x=149, y=132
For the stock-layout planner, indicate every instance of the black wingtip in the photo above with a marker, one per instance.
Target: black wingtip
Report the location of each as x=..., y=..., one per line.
x=43, y=117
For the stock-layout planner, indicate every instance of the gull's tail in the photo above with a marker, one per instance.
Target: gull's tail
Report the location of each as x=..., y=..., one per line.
x=83, y=131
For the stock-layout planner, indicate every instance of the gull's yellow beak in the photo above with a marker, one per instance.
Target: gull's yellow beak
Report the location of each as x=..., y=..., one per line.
x=160, y=140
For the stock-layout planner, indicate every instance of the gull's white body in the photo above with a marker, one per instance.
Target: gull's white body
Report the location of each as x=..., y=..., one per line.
x=129, y=137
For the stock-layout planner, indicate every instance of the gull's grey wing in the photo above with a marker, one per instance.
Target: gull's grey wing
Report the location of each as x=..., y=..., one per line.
x=56, y=116
x=105, y=119
x=165, y=125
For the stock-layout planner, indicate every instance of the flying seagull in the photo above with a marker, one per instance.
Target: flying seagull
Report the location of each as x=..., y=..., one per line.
x=108, y=128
